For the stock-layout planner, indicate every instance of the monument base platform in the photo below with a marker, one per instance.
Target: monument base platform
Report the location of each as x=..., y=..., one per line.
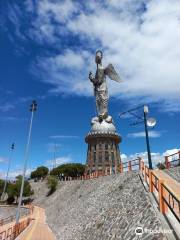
x=103, y=154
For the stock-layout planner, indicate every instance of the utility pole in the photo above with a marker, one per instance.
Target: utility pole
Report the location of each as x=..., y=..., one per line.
x=55, y=149
x=33, y=108
x=7, y=174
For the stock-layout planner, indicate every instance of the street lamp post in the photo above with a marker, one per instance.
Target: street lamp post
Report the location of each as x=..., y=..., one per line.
x=150, y=122
x=33, y=108
x=147, y=136
x=9, y=164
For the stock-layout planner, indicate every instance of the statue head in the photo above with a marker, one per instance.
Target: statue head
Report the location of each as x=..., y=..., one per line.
x=99, y=56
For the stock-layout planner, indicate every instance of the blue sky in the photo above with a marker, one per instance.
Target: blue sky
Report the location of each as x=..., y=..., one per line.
x=47, y=51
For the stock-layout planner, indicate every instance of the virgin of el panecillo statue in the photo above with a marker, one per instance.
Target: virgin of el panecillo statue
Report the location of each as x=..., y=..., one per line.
x=103, y=154
x=100, y=87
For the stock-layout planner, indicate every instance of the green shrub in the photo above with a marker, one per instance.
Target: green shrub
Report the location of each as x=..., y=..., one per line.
x=10, y=200
x=52, y=183
x=161, y=166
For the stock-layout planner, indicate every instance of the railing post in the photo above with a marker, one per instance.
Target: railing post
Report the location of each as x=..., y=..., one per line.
x=166, y=162
x=121, y=168
x=140, y=163
x=150, y=181
x=115, y=169
x=110, y=170
x=162, y=207
x=143, y=166
x=145, y=176
x=129, y=166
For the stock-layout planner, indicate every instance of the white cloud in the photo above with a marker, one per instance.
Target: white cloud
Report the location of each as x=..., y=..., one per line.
x=50, y=15
x=6, y=107
x=152, y=134
x=141, y=38
x=59, y=161
x=3, y=159
x=171, y=151
x=123, y=156
x=14, y=173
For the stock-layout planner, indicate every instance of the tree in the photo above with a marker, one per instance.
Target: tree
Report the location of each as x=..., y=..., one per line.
x=40, y=172
x=69, y=169
x=52, y=183
x=161, y=166
x=1, y=186
x=13, y=189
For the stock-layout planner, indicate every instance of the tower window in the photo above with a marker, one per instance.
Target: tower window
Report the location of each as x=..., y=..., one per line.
x=106, y=156
x=94, y=157
x=100, y=157
x=112, y=158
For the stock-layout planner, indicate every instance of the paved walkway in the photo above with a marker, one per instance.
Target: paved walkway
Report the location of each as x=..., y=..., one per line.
x=38, y=229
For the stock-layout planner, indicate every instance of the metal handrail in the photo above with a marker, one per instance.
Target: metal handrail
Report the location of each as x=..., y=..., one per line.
x=171, y=200
x=12, y=232
x=155, y=183
x=11, y=218
x=132, y=161
x=175, y=160
x=171, y=207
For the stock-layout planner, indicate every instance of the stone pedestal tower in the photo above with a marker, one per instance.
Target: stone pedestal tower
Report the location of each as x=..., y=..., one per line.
x=103, y=150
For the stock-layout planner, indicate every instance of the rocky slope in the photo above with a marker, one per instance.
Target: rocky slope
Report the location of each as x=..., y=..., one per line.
x=110, y=207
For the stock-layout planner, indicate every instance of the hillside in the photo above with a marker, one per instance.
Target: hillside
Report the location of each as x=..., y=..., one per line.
x=174, y=172
x=109, y=207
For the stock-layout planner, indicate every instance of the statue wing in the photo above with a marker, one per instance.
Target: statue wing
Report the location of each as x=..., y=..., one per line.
x=112, y=74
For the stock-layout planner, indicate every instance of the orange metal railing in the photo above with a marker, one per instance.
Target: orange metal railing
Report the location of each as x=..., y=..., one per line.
x=166, y=198
x=12, y=232
x=172, y=160
x=9, y=219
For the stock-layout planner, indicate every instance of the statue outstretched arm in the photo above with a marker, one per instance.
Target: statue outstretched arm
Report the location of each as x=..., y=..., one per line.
x=91, y=78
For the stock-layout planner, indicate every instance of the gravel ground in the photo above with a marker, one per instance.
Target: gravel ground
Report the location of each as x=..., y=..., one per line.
x=10, y=211
x=174, y=172
x=107, y=208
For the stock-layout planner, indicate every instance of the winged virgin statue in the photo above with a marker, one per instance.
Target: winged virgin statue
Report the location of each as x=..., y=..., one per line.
x=100, y=86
